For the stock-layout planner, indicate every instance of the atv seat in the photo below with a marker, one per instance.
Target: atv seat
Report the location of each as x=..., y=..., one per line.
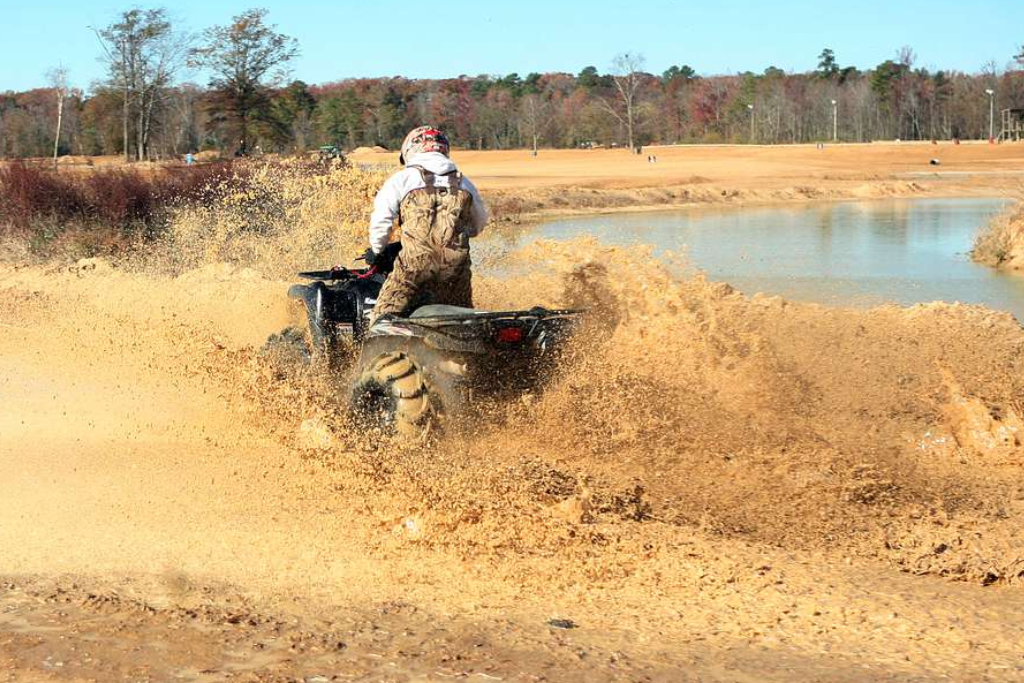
x=437, y=310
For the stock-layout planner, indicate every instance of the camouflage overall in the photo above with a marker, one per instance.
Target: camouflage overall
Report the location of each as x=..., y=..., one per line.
x=433, y=266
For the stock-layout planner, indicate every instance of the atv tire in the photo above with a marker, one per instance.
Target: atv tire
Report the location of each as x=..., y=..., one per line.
x=394, y=396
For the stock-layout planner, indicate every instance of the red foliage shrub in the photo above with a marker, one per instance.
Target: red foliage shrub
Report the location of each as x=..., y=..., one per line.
x=28, y=193
x=118, y=197
x=37, y=201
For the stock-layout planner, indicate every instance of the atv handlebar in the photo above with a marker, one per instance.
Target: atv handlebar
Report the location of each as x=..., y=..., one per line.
x=333, y=274
x=383, y=264
x=385, y=260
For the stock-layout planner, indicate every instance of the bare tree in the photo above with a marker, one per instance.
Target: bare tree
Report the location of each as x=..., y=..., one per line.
x=118, y=53
x=627, y=75
x=58, y=78
x=142, y=53
x=158, y=67
x=534, y=118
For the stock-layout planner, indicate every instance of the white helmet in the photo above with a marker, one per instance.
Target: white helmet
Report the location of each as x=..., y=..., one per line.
x=424, y=139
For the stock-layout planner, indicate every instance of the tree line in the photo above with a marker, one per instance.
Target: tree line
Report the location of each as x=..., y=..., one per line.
x=148, y=108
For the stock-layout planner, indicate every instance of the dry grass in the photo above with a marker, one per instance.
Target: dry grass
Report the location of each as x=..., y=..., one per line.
x=1001, y=245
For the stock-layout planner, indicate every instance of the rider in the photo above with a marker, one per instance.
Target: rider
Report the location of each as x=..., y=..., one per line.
x=439, y=210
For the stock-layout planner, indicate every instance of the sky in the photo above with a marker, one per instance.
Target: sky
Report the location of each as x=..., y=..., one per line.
x=346, y=38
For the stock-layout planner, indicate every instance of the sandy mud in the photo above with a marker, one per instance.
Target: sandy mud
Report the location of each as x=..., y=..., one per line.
x=715, y=486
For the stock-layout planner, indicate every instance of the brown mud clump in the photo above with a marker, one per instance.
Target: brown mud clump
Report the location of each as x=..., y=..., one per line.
x=709, y=477
x=1001, y=244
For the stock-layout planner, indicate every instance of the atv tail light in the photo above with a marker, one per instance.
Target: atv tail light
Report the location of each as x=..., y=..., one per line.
x=510, y=335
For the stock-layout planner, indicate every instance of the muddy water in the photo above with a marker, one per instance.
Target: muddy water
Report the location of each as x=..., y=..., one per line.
x=861, y=253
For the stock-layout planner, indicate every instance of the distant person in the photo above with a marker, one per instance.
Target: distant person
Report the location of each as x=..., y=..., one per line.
x=439, y=210
x=189, y=159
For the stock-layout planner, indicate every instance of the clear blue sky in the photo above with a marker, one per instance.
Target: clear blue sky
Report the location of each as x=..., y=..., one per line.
x=347, y=38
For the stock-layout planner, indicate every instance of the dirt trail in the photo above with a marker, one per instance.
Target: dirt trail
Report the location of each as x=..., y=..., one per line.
x=764, y=167
x=520, y=186
x=717, y=487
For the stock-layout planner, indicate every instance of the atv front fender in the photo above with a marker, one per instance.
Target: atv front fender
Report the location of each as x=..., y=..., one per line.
x=313, y=297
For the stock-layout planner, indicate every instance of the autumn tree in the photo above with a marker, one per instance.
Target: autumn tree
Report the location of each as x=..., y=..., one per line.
x=292, y=116
x=897, y=98
x=101, y=122
x=245, y=57
x=387, y=110
x=339, y=119
x=675, y=83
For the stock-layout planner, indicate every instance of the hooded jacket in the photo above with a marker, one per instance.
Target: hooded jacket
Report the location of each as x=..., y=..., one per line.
x=387, y=204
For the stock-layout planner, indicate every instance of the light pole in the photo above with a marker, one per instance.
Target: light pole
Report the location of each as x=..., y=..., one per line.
x=835, y=121
x=991, y=113
x=751, y=108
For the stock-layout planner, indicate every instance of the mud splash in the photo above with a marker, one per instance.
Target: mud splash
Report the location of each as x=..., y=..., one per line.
x=686, y=403
x=698, y=446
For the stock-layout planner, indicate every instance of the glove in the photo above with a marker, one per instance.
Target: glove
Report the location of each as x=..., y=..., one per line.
x=370, y=257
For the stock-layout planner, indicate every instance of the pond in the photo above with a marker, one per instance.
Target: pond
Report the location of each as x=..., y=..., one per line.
x=847, y=253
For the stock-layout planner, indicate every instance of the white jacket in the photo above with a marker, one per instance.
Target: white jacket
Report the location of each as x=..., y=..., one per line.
x=388, y=202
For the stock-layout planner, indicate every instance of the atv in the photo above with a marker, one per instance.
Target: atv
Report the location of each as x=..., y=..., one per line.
x=409, y=375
